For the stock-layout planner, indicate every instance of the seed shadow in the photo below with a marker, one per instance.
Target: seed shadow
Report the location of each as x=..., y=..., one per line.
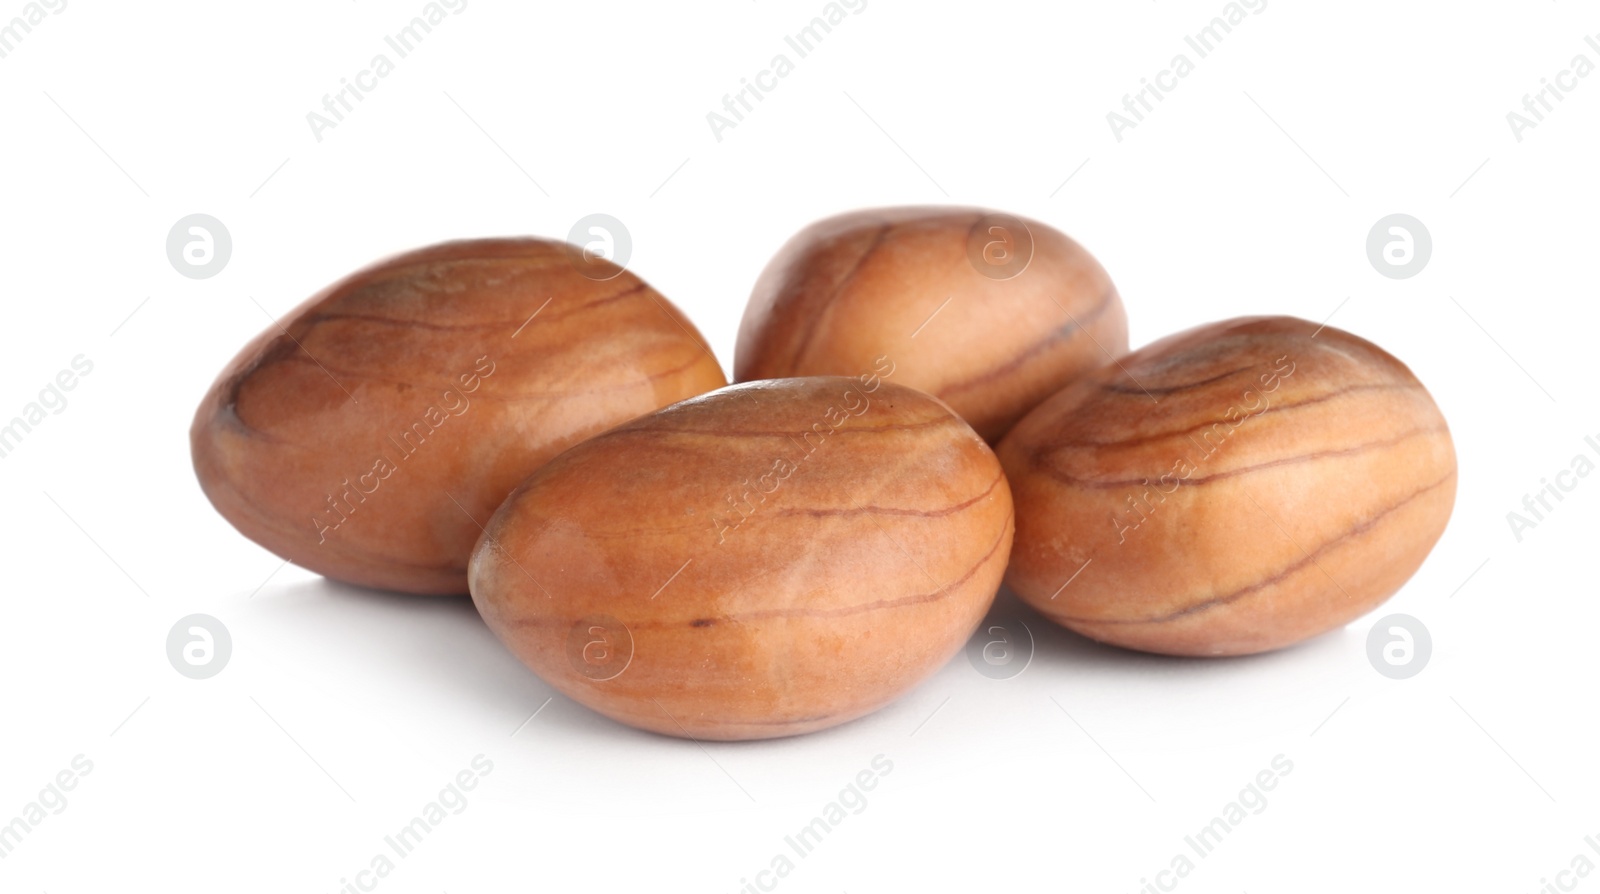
x=1246, y=687
x=435, y=642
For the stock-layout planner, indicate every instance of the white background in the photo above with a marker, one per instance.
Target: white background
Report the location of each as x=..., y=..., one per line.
x=1250, y=189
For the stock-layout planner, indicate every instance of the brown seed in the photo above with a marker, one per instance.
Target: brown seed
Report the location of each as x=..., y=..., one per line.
x=988, y=312
x=762, y=561
x=1231, y=489
x=369, y=434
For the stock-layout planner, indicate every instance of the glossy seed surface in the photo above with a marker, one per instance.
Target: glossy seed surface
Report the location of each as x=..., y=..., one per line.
x=989, y=312
x=766, y=560
x=369, y=434
x=1231, y=489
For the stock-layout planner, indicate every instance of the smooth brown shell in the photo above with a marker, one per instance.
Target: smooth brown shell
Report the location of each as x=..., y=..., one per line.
x=672, y=575
x=905, y=282
x=1232, y=489
x=369, y=434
